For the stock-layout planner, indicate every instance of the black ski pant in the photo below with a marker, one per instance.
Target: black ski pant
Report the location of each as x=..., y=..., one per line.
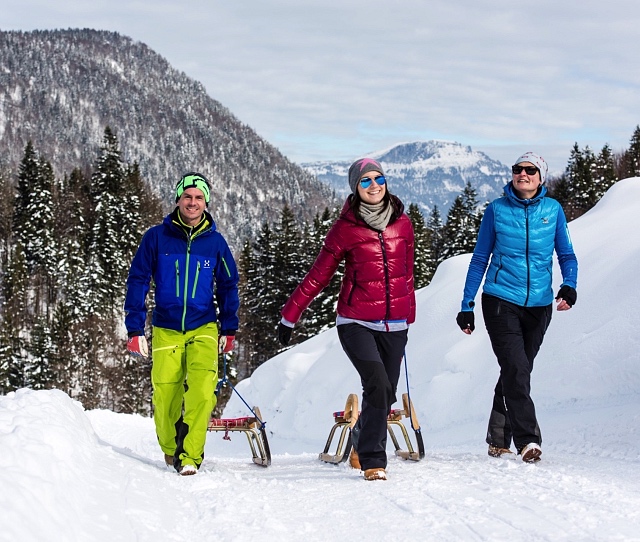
x=516, y=334
x=377, y=356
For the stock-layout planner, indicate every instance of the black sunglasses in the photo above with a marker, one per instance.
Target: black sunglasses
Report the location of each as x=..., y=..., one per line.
x=529, y=170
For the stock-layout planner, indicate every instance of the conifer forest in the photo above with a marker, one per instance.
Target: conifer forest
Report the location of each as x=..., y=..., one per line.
x=66, y=245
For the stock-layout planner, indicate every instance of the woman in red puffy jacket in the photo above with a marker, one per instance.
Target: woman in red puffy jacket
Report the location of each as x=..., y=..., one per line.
x=376, y=304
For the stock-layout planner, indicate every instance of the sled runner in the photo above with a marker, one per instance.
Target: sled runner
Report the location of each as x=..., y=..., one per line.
x=345, y=420
x=253, y=428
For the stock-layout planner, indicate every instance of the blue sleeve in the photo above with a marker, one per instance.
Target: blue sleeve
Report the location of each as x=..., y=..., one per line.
x=227, y=297
x=138, y=281
x=479, y=260
x=564, y=249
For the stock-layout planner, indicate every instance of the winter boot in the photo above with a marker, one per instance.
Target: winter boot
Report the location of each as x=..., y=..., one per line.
x=354, y=460
x=187, y=470
x=375, y=474
x=531, y=453
x=168, y=459
x=504, y=453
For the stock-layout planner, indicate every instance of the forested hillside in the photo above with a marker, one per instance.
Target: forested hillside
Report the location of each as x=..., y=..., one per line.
x=60, y=89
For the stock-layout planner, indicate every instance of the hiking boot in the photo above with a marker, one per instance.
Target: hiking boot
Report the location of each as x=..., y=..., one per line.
x=531, y=453
x=504, y=453
x=354, y=460
x=187, y=470
x=375, y=474
x=168, y=459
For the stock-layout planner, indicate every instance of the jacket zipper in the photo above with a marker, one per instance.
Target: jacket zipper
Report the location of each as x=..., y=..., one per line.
x=526, y=221
x=387, y=286
x=186, y=284
x=195, y=282
x=177, y=278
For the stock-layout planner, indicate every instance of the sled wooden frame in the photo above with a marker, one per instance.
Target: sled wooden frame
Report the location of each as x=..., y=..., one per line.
x=252, y=427
x=345, y=420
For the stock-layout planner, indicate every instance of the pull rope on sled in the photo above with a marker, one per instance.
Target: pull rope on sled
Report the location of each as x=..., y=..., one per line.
x=225, y=380
x=252, y=426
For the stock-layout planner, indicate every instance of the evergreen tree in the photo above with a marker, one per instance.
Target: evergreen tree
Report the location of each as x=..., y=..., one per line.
x=15, y=320
x=263, y=299
x=6, y=220
x=114, y=229
x=436, y=230
x=604, y=175
x=559, y=189
x=632, y=155
x=37, y=371
x=423, y=257
x=290, y=268
x=33, y=228
x=579, y=174
x=463, y=221
x=247, y=337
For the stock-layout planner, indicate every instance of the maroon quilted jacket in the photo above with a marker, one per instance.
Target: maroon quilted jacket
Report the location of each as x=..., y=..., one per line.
x=378, y=278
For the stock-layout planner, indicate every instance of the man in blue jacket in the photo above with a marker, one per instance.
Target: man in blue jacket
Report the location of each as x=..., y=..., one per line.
x=191, y=265
x=518, y=235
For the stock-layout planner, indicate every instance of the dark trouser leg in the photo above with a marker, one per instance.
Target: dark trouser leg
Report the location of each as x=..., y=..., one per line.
x=516, y=334
x=499, y=430
x=377, y=357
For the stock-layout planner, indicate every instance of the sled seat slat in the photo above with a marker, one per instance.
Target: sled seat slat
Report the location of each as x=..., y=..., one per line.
x=245, y=422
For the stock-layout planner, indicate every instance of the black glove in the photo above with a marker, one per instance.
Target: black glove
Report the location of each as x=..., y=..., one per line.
x=569, y=294
x=466, y=320
x=284, y=334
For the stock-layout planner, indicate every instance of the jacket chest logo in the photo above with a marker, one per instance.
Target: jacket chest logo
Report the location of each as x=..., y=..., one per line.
x=207, y=264
x=545, y=220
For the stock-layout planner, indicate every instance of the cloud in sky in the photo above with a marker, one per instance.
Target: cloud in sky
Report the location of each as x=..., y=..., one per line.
x=337, y=79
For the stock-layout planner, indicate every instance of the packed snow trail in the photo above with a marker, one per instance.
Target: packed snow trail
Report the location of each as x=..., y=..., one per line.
x=97, y=475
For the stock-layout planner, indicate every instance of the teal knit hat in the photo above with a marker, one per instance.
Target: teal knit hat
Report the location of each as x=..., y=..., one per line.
x=193, y=180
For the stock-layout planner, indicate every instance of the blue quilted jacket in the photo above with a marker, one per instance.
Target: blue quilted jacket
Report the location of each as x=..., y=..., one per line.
x=189, y=272
x=516, y=240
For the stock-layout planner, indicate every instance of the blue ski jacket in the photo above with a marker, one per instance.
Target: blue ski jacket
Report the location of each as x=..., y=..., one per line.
x=189, y=270
x=516, y=240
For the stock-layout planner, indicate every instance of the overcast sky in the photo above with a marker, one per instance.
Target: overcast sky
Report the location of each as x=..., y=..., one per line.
x=336, y=79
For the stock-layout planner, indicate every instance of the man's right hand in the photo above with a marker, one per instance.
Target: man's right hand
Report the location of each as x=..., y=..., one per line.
x=466, y=321
x=138, y=346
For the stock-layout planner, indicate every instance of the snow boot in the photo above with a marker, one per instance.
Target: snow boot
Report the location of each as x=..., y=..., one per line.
x=531, y=453
x=503, y=453
x=375, y=474
x=168, y=459
x=187, y=470
x=354, y=460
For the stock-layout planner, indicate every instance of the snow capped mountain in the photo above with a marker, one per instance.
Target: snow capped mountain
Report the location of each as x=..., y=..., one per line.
x=427, y=173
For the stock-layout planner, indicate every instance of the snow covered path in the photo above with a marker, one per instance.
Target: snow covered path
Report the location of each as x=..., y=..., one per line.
x=98, y=475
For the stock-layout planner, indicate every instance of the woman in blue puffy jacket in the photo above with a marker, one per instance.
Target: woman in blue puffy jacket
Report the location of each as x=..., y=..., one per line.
x=518, y=235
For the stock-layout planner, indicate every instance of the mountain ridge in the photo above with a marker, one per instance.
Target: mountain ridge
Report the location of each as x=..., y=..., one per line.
x=427, y=173
x=62, y=88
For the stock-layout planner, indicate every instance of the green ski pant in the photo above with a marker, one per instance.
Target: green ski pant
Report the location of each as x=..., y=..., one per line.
x=184, y=376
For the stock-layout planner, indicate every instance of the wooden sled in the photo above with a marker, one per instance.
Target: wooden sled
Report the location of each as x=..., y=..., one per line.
x=345, y=420
x=253, y=428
